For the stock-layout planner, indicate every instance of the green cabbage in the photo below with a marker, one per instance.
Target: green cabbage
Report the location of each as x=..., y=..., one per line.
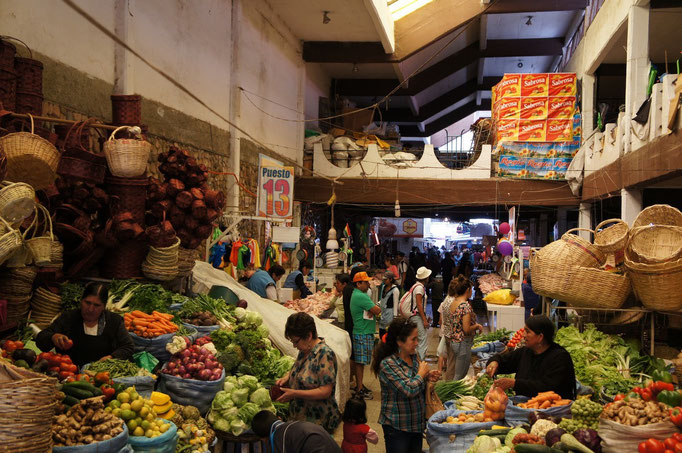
x=261, y=397
x=237, y=427
x=230, y=413
x=248, y=411
x=239, y=313
x=249, y=382
x=511, y=434
x=229, y=386
x=240, y=396
x=253, y=318
x=222, y=400
x=221, y=424
x=263, y=331
x=485, y=444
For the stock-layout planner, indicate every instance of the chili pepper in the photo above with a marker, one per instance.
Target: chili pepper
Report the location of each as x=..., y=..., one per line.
x=676, y=418
x=662, y=376
x=671, y=398
x=652, y=446
x=647, y=395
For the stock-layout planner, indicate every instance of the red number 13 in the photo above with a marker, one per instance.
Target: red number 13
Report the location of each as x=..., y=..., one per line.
x=281, y=206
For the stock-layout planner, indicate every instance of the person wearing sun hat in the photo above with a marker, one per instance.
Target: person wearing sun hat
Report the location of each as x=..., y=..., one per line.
x=363, y=311
x=418, y=316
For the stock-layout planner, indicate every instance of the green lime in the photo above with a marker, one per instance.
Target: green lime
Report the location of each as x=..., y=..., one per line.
x=132, y=424
x=127, y=414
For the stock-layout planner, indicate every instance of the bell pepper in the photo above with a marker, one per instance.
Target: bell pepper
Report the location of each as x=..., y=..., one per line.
x=647, y=395
x=676, y=417
x=651, y=446
x=102, y=377
x=671, y=398
x=107, y=391
x=662, y=376
x=659, y=386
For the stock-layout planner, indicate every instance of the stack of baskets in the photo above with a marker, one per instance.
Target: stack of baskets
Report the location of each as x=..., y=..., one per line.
x=31, y=399
x=45, y=306
x=16, y=286
x=570, y=270
x=8, y=75
x=653, y=258
x=162, y=263
x=186, y=260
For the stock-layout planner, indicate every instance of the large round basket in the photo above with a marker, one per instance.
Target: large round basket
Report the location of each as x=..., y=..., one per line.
x=28, y=399
x=655, y=244
x=612, y=238
x=130, y=195
x=40, y=244
x=9, y=242
x=657, y=286
x=572, y=250
x=77, y=161
x=30, y=158
x=127, y=158
x=125, y=261
x=17, y=201
x=579, y=286
x=659, y=214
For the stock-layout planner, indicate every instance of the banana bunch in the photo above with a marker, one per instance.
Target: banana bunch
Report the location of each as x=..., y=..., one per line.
x=470, y=403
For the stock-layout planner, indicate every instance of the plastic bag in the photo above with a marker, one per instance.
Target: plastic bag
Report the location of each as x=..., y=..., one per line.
x=191, y=392
x=165, y=443
x=515, y=415
x=202, y=331
x=145, y=360
x=446, y=437
x=617, y=438
x=116, y=444
x=500, y=297
x=495, y=403
x=144, y=385
x=155, y=346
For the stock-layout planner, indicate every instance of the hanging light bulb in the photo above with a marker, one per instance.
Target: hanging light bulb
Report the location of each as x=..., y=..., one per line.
x=397, y=208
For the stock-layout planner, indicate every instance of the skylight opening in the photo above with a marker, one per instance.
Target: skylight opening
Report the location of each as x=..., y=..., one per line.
x=401, y=8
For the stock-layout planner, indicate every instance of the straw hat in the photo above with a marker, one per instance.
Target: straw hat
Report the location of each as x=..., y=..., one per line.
x=423, y=273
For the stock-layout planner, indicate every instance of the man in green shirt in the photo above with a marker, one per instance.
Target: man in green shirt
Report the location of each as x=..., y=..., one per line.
x=363, y=311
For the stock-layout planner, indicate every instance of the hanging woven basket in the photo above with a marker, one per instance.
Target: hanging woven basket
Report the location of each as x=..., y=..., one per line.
x=17, y=201
x=127, y=158
x=40, y=245
x=30, y=158
x=9, y=242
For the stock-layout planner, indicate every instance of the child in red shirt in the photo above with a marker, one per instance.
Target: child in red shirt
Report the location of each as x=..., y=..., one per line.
x=356, y=431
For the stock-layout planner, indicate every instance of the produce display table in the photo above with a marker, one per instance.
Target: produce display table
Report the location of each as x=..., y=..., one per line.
x=508, y=317
x=246, y=443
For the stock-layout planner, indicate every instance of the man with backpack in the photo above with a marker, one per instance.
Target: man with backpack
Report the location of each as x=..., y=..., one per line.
x=363, y=312
x=413, y=307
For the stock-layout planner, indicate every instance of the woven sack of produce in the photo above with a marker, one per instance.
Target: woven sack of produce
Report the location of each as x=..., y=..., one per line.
x=439, y=434
x=17, y=201
x=611, y=235
x=165, y=443
x=127, y=158
x=27, y=399
x=656, y=285
x=156, y=346
x=116, y=445
x=658, y=214
x=30, y=158
x=191, y=392
x=144, y=385
x=202, y=331
x=618, y=438
x=655, y=244
x=515, y=415
x=579, y=286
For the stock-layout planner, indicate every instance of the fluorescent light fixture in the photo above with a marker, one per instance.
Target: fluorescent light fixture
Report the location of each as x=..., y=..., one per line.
x=402, y=8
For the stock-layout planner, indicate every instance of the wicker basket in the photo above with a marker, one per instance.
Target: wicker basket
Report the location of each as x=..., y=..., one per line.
x=28, y=103
x=20, y=258
x=579, y=286
x=125, y=261
x=7, y=52
x=659, y=214
x=130, y=194
x=655, y=244
x=8, y=88
x=127, y=158
x=657, y=286
x=186, y=261
x=56, y=254
x=27, y=399
x=17, y=201
x=9, y=242
x=162, y=274
x=572, y=250
x=30, y=158
x=126, y=109
x=613, y=238
x=40, y=245
x=45, y=305
x=29, y=75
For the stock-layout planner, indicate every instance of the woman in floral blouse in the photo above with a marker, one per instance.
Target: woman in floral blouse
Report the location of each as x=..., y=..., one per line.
x=309, y=386
x=459, y=327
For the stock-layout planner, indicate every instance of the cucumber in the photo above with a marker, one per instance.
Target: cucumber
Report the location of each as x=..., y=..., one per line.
x=494, y=432
x=77, y=392
x=560, y=446
x=70, y=400
x=97, y=392
x=531, y=448
x=82, y=385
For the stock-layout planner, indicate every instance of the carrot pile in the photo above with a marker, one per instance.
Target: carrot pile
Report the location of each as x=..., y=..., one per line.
x=149, y=326
x=545, y=400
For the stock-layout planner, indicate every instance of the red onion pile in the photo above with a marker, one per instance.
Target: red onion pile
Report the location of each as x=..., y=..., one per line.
x=194, y=362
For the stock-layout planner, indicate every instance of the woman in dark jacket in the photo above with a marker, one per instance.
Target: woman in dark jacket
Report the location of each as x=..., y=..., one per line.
x=90, y=333
x=540, y=366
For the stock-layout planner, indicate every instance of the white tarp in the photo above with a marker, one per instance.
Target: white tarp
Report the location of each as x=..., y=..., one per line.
x=275, y=318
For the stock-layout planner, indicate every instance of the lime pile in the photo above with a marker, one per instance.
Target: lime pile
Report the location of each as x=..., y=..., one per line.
x=138, y=414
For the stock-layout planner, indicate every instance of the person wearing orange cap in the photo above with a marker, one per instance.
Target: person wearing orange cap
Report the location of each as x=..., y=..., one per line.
x=363, y=311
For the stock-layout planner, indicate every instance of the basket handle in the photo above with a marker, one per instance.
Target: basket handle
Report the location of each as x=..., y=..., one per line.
x=33, y=225
x=30, y=54
x=606, y=222
x=32, y=123
x=48, y=221
x=578, y=229
x=133, y=129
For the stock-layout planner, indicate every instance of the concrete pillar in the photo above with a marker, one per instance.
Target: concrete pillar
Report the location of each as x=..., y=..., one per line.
x=637, y=65
x=630, y=204
x=585, y=220
x=588, y=108
x=123, y=74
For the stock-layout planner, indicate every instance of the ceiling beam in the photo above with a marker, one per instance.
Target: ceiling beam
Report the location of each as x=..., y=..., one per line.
x=449, y=65
x=660, y=4
x=531, y=6
x=454, y=116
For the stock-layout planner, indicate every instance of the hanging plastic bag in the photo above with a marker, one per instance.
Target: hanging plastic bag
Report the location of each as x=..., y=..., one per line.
x=495, y=403
x=145, y=360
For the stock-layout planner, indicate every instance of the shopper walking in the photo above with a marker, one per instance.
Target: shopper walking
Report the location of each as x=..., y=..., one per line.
x=309, y=386
x=403, y=380
x=390, y=299
x=459, y=328
x=436, y=296
x=363, y=311
x=416, y=310
x=356, y=431
x=447, y=267
x=391, y=265
x=402, y=270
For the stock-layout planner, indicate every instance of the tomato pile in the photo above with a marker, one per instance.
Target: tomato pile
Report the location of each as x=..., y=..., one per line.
x=60, y=364
x=672, y=444
x=9, y=346
x=517, y=339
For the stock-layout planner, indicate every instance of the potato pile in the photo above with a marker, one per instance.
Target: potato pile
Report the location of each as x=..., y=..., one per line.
x=183, y=198
x=86, y=423
x=202, y=318
x=465, y=418
x=636, y=412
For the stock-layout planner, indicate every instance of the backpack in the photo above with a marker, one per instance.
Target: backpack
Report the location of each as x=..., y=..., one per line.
x=406, y=307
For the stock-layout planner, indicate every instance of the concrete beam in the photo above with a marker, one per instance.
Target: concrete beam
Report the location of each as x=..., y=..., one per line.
x=637, y=66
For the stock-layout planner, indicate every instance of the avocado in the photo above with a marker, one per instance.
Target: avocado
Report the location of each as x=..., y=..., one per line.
x=21, y=363
x=28, y=355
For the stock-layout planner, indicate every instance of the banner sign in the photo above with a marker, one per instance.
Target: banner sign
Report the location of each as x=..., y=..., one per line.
x=400, y=227
x=536, y=160
x=276, y=192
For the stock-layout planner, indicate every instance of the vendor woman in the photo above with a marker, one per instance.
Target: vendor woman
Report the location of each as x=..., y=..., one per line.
x=89, y=333
x=540, y=366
